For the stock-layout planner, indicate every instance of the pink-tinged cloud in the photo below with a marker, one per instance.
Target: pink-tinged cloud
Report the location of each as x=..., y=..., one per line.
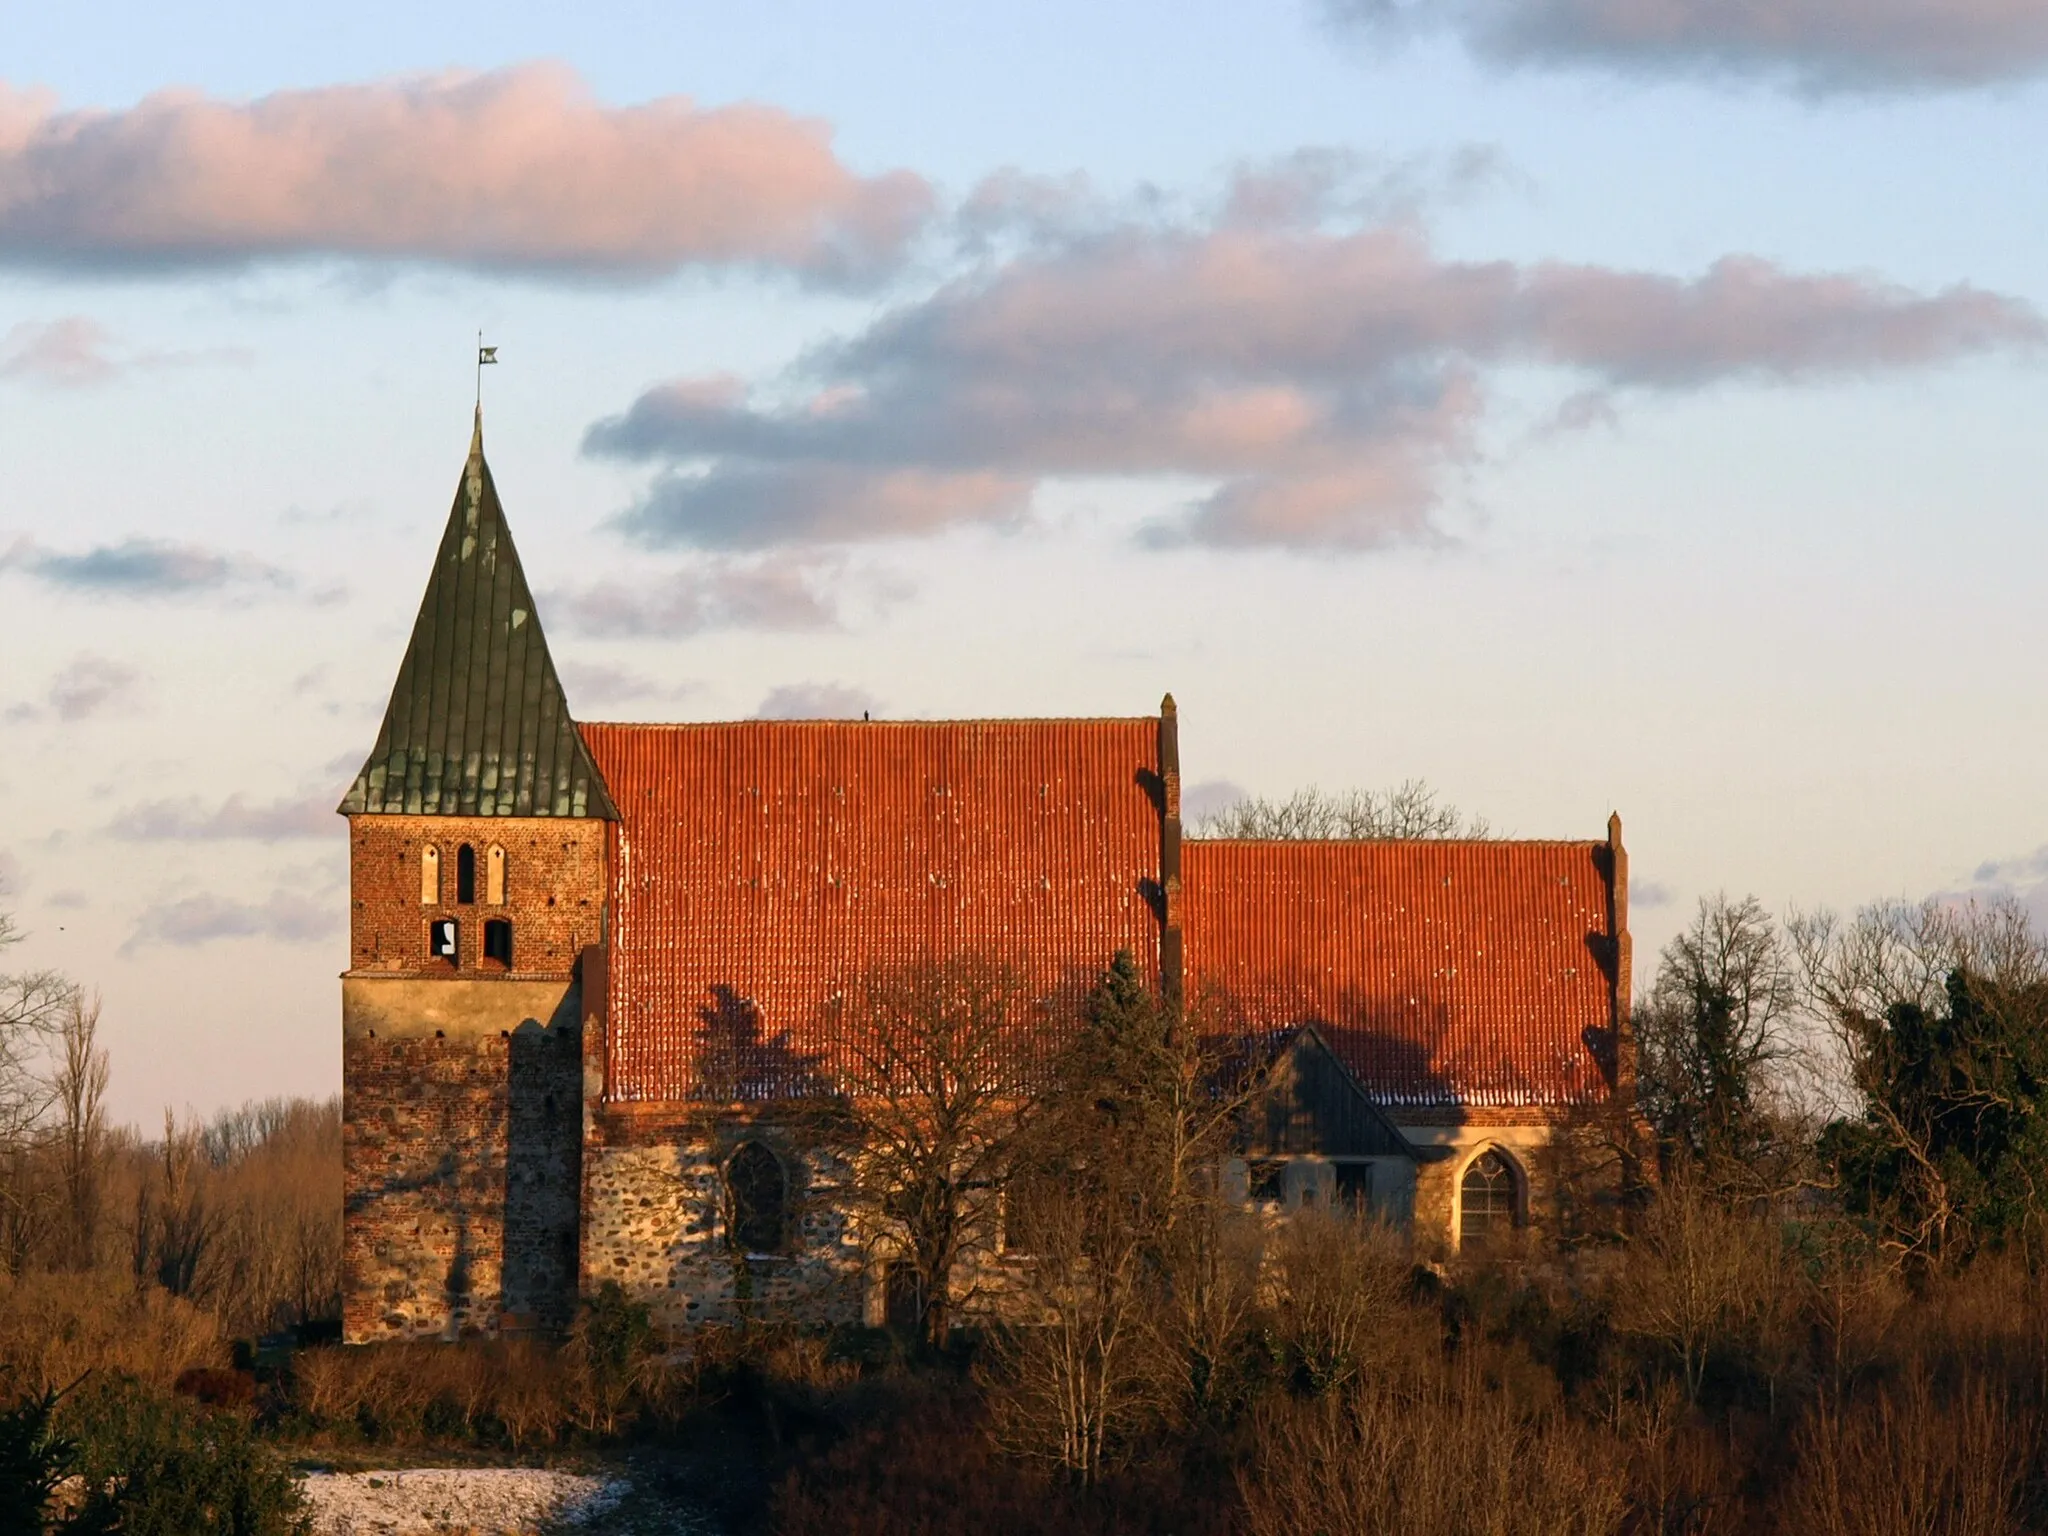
x=187, y=922
x=1817, y=46
x=69, y=353
x=1324, y=382
x=518, y=168
x=778, y=593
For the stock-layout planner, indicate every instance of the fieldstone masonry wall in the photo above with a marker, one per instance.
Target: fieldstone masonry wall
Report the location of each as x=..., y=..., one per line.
x=654, y=1220
x=460, y=1166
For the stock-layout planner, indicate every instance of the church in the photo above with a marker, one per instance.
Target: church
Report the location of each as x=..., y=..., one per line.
x=588, y=961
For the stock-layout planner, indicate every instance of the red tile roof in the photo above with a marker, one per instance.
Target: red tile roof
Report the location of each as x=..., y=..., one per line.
x=761, y=867
x=1466, y=973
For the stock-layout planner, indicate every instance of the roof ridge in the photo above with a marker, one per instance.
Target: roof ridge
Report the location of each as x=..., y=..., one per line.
x=698, y=725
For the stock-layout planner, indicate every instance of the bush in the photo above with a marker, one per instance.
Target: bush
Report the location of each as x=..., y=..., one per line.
x=161, y=1466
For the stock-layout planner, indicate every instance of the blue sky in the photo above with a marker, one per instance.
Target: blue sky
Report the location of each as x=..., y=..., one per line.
x=1512, y=394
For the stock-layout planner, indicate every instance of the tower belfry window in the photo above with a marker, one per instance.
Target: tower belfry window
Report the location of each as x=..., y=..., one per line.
x=465, y=874
x=444, y=941
x=498, y=943
x=430, y=876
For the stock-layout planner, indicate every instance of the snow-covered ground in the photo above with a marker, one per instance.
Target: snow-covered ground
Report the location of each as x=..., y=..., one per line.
x=467, y=1501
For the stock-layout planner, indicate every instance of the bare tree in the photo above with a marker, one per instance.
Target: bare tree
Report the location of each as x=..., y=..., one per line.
x=80, y=1090
x=1409, y=810
x=33, y=1006
x=936, y=1065
x=1127, y=1272
x=1712, y=1038
x=1939, y=1017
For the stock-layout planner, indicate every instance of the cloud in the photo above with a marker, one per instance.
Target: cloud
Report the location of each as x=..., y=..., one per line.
x=68, y=353
x=586, y=683
x=1198, y=802
x=190, y=820
x=190, y=921
x=75, y=351
x=1815, y=46
x=816, y=701
x=88, y=685
x=1323, y=381
x=1648, y=894
x=779, y=593
x=516, y=169
x=139, y=567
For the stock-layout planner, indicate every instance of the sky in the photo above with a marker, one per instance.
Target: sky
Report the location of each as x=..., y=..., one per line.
x=1580, y=405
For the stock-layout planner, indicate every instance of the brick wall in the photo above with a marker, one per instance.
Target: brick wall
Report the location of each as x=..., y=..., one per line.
x=554, y=890
x=462, y=1087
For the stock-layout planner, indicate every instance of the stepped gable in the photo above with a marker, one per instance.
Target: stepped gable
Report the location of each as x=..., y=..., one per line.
x=762, y=867
x=1442, y=973
x=477, y=724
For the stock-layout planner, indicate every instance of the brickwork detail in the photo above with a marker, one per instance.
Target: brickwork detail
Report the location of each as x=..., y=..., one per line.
x=554, y=891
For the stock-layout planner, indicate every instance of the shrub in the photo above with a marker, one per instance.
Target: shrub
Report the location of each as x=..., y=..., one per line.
x=162, y=1466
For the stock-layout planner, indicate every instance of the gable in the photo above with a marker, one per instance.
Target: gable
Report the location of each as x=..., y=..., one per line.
x=1310, y=1103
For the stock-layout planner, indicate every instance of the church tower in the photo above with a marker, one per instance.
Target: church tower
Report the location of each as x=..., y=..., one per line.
x=478, y=844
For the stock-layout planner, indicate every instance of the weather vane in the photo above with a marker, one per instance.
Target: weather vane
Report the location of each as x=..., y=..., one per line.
x=484, y=355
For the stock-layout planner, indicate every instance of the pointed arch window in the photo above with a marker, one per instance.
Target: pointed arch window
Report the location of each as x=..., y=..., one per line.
x=758, y=1196
x=498, y=944
x=430, y=876
x=465, y=875
x=494, y=877
x=1489, y=1201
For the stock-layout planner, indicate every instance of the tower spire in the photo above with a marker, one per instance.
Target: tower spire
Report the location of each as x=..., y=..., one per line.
x=478, y=724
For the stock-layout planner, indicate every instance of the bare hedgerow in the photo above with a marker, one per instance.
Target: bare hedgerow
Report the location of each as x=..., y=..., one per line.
x=1914, y=1460
x=1442, y=1454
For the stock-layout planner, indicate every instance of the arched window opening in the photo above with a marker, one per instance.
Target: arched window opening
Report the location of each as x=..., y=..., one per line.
x=1489, y=1202
x=494, y=877
x=498, y=943
x=444, y=941
x=759, y=1195
x=465, y=874
x=430, y=876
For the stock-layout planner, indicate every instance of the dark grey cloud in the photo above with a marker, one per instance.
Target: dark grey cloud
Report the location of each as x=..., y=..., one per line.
x=192, y=820
x=780, y=592
x=816, y=701
x=186, y=922
x=139, y=567
x=516, y=169
x=1815, y=46
x=1323, y=380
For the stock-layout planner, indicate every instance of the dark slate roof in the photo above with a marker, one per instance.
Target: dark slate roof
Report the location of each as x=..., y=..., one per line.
x=477, y=724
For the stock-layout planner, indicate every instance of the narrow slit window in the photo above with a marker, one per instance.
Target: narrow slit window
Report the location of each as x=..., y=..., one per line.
x=758, y=1192
x=498, y=943
x=494, y=877
x=430, y=876
x=465, y=875
x=444, y=941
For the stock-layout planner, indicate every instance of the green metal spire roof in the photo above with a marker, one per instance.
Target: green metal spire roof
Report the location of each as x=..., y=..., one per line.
x=478, y=724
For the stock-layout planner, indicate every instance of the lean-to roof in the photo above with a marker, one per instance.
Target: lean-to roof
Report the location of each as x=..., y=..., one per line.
x=1452, y=973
